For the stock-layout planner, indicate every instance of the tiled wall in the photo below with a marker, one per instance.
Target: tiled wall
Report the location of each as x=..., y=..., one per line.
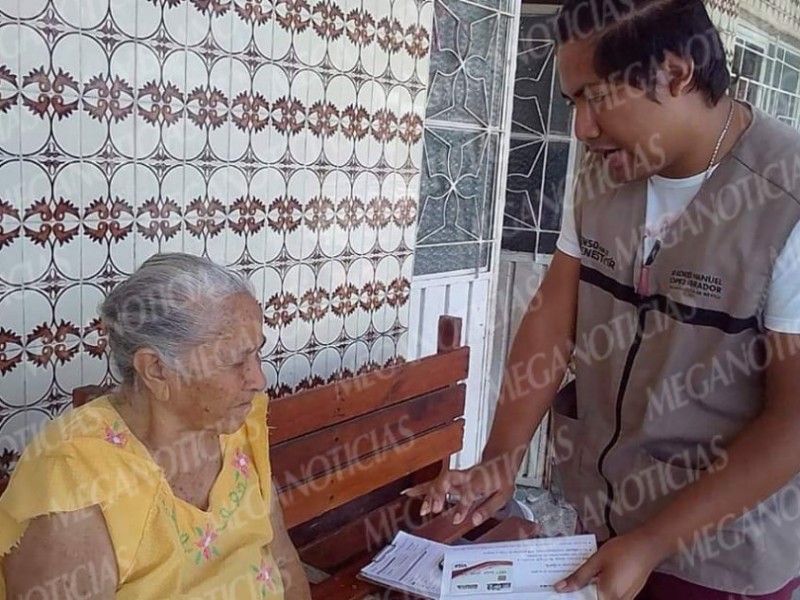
x=280, y=137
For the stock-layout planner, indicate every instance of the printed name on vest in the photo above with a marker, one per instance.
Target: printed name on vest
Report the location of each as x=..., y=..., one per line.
x=592, y=250
x=696, y=284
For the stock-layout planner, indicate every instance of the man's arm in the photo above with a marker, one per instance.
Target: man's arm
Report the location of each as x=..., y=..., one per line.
x=534, y=370
x=761, y=460
x=537, y=362
x=65, y=555
x=285, y=555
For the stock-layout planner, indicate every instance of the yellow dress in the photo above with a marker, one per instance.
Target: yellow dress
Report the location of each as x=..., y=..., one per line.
x=164, y=547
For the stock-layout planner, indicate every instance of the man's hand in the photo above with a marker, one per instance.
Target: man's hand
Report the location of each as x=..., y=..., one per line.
x=620, y=568
x=483, y=490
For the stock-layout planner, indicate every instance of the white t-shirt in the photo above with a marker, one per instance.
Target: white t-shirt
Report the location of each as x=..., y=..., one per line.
x=666, y=200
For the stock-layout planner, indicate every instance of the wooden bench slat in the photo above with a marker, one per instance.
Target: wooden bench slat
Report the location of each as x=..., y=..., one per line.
x=334, y=489
x=368, y=533
x=309, y=411
x=302, y=459
x=318, y=527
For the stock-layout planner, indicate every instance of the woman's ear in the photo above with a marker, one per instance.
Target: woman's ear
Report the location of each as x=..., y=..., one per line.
x=678, y=72
x=152, y=373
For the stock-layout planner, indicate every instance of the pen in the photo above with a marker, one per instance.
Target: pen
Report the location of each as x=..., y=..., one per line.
x=643, y=285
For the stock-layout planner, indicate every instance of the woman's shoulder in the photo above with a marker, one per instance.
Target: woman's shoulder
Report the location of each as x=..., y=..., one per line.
x=90, y=424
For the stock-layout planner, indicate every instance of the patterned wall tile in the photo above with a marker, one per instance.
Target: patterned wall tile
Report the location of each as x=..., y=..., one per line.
x=282, y=138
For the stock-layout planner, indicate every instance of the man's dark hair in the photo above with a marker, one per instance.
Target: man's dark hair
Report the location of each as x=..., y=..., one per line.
x=634, y=36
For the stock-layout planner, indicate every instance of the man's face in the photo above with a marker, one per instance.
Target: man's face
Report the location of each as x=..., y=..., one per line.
x=633, y=134
x=214, y=389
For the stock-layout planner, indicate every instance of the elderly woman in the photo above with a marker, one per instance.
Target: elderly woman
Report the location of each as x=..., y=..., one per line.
x=161, y=489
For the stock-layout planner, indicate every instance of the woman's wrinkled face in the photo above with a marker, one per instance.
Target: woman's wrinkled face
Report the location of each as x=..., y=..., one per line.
x=216, y=383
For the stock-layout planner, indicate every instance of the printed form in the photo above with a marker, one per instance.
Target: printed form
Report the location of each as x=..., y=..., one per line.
x=515, y=570
x=501, y=571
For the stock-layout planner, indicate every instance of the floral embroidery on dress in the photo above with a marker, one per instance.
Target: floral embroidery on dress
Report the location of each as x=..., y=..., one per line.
x=115, y=436
x=207, y=550
x=241, y=462
x=203, y=547
x=264, y=575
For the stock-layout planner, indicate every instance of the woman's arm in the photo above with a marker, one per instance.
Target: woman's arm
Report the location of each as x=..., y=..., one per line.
x=63, y=555
x=285, y=555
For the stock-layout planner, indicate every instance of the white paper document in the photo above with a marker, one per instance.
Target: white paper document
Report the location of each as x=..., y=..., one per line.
x=500, y=571
x=515, y=570
x=410, y=564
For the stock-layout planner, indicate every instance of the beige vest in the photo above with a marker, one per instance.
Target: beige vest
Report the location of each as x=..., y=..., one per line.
x=670, y=372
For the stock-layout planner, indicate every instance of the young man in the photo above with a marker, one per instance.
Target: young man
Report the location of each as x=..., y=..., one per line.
x=676, y=285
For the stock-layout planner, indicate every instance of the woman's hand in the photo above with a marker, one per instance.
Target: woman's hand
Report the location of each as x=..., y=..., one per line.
x=620, y=568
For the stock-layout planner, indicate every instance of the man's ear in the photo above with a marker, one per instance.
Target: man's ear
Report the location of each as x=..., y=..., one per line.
x=678, y=74
x=152, y=373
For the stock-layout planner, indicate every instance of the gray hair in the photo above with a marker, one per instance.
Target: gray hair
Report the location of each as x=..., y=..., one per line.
x=163, y=306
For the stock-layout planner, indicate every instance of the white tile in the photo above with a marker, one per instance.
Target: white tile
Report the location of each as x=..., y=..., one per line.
x=92, y=12
x=147, y=18
x=218, y=190
x=343, y=52
x=383, y=349
x=249, y=111
x=355, y=356
x=222, y=32
x=13, y=435
x=273, y=286
x=294, y=370
x=415, y=151
x=402, y=61
x=195, y=28
x=269, y=144
x=36, y=416
x=175, y=17
x=331, y=275
x=309, y=48
x=372, y=97
x=12, y=372
x=374, y=59
x=299, y=280
x=326, y=363
x=272, y=40
x=34, y=53
x=151, y=104
x=66, y=132
x=307, y=87
x=69, y=11
x=124, y=14
x=11, y=124
x=398, y=104
x=23, y=10
x=387, y=270
x=426, y=22
x=203, y=214
x=401, y=346
x=260, y=189
x=302, y=187
x=335, y=188
x=249, y=217
x=10, y=42
x=220, y=79
x=360, y=274
x=205, y=107
x=341, y=92
x=37, y=317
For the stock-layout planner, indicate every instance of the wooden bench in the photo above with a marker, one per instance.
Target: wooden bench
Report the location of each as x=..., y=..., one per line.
x=342, y=453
